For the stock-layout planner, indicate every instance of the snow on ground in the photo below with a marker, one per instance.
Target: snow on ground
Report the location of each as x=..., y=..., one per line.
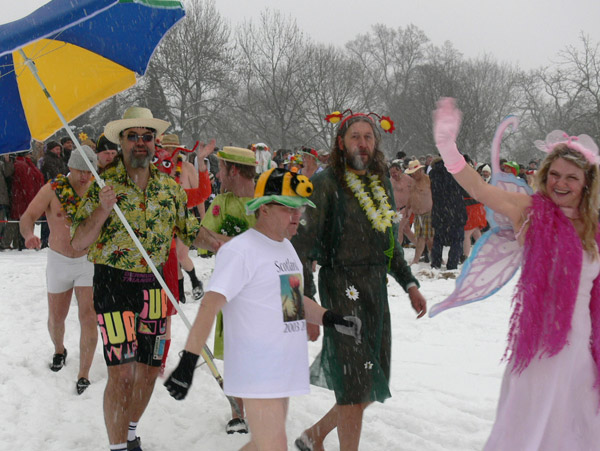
x=446, y=375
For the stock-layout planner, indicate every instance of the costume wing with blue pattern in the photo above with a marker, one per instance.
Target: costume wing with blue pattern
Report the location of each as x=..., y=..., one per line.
x=497, y=255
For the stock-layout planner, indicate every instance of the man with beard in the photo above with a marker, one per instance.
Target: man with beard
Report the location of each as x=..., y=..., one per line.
x=129, y=303
x=68, y=269
x=356, y=250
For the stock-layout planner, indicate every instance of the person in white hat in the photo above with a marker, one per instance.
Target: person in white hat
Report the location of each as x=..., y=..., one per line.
x=130, y=305
x=68, y=269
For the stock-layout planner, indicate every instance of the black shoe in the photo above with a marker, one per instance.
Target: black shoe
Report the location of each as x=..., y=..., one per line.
x=81, y=385
x=58, y=361
x=198, y=291
x=134, y=445
x=236, y=425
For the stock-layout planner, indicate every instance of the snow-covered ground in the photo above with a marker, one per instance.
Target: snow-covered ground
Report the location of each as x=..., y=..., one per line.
x=445, y=383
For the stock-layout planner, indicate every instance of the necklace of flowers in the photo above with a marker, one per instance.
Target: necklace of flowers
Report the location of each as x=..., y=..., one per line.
x=378, y=209
x=68, y=198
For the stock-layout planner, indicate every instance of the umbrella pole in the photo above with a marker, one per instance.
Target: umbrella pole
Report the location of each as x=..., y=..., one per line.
x=205, y=353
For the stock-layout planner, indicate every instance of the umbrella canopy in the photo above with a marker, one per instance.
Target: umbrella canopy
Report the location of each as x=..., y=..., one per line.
x=85, y=51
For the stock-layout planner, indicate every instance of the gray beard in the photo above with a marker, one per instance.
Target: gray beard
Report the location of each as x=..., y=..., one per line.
x=139, y=162
x=357, y=164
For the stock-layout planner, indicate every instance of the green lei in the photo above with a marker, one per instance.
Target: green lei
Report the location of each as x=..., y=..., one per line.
x=68, y=198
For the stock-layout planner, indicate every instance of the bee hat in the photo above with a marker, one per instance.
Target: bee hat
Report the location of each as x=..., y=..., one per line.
x=281, y=186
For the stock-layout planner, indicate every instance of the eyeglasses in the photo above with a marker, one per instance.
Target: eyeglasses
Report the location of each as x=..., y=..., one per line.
x=146, y=137
x=290, y=210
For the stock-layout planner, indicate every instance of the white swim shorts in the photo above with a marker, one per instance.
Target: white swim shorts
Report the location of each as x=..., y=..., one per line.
x=64, y=273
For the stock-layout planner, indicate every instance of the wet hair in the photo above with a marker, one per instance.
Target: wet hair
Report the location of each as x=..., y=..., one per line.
x=588, y=208
x=337, y=159
x=246, y=171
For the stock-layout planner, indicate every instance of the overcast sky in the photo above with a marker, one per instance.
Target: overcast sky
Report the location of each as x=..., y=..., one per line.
x=527, y=32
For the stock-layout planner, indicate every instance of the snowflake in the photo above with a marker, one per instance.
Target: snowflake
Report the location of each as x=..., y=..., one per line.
x=368, y=365
x=352, y=293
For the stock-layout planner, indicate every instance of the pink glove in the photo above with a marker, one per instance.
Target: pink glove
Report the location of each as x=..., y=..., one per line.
x=446, y=125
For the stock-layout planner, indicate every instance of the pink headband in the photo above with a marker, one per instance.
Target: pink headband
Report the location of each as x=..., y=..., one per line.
x=583, y=144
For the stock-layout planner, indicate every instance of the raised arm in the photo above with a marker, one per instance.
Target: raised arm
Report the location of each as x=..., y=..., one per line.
x=446, y=125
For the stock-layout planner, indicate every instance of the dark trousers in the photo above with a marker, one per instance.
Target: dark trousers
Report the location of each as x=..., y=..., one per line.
x=452, y=236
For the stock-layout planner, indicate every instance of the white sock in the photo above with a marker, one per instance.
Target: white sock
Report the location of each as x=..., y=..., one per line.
x=119, y=447
x=131, y=434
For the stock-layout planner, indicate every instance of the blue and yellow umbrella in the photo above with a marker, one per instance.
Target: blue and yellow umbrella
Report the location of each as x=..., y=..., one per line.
x=67, y=57
x=85, y=51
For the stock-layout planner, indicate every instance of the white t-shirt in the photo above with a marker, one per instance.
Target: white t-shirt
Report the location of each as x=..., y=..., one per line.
x=266, y=350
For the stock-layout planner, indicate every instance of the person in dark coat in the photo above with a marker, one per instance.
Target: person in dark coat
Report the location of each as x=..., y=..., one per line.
x=53, y=163
x=448, y=216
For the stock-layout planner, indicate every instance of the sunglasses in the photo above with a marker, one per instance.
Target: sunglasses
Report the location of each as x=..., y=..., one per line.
x=146, y=137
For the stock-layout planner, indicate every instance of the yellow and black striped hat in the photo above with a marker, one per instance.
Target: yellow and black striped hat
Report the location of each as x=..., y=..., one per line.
x=281, y=186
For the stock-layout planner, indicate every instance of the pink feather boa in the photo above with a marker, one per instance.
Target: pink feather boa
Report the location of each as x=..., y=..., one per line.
x=547, y=289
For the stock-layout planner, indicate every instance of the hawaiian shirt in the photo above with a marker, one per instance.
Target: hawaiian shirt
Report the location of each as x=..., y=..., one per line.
x=154, y=215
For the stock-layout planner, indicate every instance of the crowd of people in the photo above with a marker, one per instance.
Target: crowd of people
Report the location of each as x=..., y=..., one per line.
x=271, y=217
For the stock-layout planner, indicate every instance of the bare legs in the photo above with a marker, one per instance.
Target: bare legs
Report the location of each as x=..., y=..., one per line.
x=266, y=418
x=348, y=420
x=58, y=309
x=476, y=234
x=126, y=396
x=89, y=329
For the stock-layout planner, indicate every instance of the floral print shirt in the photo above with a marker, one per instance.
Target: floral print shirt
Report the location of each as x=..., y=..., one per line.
x=154, y=215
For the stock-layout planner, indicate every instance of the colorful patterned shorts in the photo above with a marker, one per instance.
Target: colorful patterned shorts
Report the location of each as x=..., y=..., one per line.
x=132, y=315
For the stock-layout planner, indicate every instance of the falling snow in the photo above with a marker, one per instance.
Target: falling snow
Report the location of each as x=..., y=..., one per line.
x=445, y=382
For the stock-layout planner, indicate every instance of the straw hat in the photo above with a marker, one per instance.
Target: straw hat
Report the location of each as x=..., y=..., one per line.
x=134, y=116
x=170, y=140
x=413, y=166
x=238, y=155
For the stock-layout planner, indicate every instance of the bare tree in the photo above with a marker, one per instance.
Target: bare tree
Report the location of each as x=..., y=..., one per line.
x=188, y=80
x=271, y=58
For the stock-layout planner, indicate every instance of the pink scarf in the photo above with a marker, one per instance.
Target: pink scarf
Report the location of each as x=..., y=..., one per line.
x=547, y=289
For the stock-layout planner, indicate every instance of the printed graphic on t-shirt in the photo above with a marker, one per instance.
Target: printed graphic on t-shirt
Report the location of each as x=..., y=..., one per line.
x=291, y=297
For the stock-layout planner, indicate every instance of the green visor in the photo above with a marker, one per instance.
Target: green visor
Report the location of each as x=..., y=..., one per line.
x=288, y=201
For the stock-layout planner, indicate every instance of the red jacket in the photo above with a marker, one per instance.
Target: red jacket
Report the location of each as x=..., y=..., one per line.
x=27, y=180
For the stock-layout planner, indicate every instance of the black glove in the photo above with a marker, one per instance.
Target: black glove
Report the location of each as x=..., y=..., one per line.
x=180, y=380
x=347, y=325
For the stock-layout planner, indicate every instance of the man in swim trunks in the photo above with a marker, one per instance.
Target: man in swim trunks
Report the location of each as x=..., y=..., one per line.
x=67, y=268
x=130, y=305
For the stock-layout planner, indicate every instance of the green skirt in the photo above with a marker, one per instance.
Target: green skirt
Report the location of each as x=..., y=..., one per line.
x=357, y=373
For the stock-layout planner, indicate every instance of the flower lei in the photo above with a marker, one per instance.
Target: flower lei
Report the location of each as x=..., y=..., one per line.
x=68, y=198
x=381, y=215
